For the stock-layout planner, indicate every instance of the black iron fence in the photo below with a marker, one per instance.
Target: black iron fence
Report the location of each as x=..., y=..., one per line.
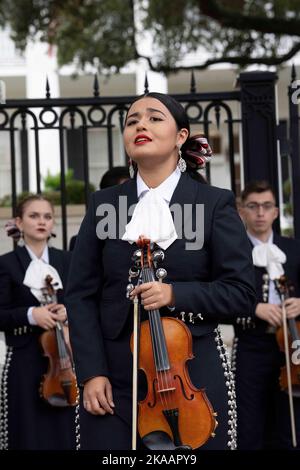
x=74, y=118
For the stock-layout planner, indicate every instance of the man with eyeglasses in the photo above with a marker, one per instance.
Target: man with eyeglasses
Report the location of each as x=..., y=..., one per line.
x=262, y=409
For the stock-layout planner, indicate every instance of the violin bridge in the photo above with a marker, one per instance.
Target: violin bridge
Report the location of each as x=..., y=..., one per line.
x=171, y=389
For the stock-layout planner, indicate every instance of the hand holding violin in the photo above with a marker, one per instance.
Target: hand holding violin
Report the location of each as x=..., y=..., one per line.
x=154, y=295
x=44, y=317
x=47, y=316
x=292, y=307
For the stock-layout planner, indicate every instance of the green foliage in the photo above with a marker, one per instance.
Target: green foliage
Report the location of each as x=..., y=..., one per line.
x=75, y=190
x=287, y=185
x=288, y=232
x=287, y=191
x=103, y=32
x=52, y=182
x=6, y=201
x=84, y=31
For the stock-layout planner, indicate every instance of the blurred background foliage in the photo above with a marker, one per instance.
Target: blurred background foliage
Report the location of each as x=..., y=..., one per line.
x=107, y=33
x=74, y=190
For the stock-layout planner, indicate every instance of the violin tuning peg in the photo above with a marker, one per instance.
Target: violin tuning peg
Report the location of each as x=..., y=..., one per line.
x=129, y=288
x=136, y=255
x=134, y=271
x=158, y=255
x=161, y=274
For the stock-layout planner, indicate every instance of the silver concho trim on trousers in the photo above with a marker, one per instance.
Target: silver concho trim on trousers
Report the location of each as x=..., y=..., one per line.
x=230, y=385
x=233, y=355
x=4, y=400
x=77, y=422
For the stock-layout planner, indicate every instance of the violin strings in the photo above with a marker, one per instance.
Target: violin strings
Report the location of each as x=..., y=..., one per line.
x=163, y=376
x=157, y=348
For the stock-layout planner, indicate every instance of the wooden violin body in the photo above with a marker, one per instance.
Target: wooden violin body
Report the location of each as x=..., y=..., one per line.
x=294, y=335
x=173, y=405
x=174, y=413
x=58, y=386
x=284, y=288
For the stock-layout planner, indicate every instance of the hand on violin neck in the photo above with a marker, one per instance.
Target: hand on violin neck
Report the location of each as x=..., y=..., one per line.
x=98, y=397
x=292, y=307
x=60, y=311
x=44, y=317
x=154, y=295
x=270, y=313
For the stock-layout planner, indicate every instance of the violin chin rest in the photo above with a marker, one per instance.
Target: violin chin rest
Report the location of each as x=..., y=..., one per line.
x=160, y=440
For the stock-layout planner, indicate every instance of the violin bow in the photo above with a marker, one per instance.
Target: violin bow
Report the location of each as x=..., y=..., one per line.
x=288, y=363
x=135, y=354
x=135, y=369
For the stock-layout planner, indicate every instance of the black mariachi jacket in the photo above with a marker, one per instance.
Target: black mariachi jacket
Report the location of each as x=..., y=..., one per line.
x=15, y=298
x=216, y=280
x=291, y=248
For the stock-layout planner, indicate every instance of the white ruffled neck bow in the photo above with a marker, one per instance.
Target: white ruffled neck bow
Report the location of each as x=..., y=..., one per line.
x=35, y=277
x=269, y=256
x=152, y=219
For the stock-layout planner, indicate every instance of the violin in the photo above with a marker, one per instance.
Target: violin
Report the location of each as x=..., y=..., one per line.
x=285, y=289
x=174, y=413
x=58, y=386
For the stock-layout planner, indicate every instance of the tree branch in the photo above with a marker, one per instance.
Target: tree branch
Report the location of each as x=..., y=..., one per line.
x=239, y=60
x=231, y=19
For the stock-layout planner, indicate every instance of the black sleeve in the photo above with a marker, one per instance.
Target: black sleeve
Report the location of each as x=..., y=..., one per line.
x=9, y=317
x=230, y=291
x=82, y=300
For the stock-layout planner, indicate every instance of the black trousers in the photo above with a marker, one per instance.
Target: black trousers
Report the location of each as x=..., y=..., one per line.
x=114, y=432
x=32, y=423
x=262, y=409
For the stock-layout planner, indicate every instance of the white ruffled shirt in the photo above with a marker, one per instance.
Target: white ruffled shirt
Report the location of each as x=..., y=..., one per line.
x=151, y=216
x=269, y=256
x=35, y=276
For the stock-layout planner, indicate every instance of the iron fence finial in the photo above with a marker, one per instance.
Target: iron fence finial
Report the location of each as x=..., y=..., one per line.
x=48, y=94
x=193, y=83
x=293, y=73
x=96, y=86
x=146, y=84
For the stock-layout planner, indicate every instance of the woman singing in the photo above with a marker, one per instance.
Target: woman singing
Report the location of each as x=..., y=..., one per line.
x=207, y=259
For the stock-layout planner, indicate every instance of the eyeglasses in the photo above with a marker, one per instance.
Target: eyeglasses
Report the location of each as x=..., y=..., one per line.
x=254, y=206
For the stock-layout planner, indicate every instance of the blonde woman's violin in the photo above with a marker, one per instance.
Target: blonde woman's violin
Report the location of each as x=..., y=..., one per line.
x=58, y=386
